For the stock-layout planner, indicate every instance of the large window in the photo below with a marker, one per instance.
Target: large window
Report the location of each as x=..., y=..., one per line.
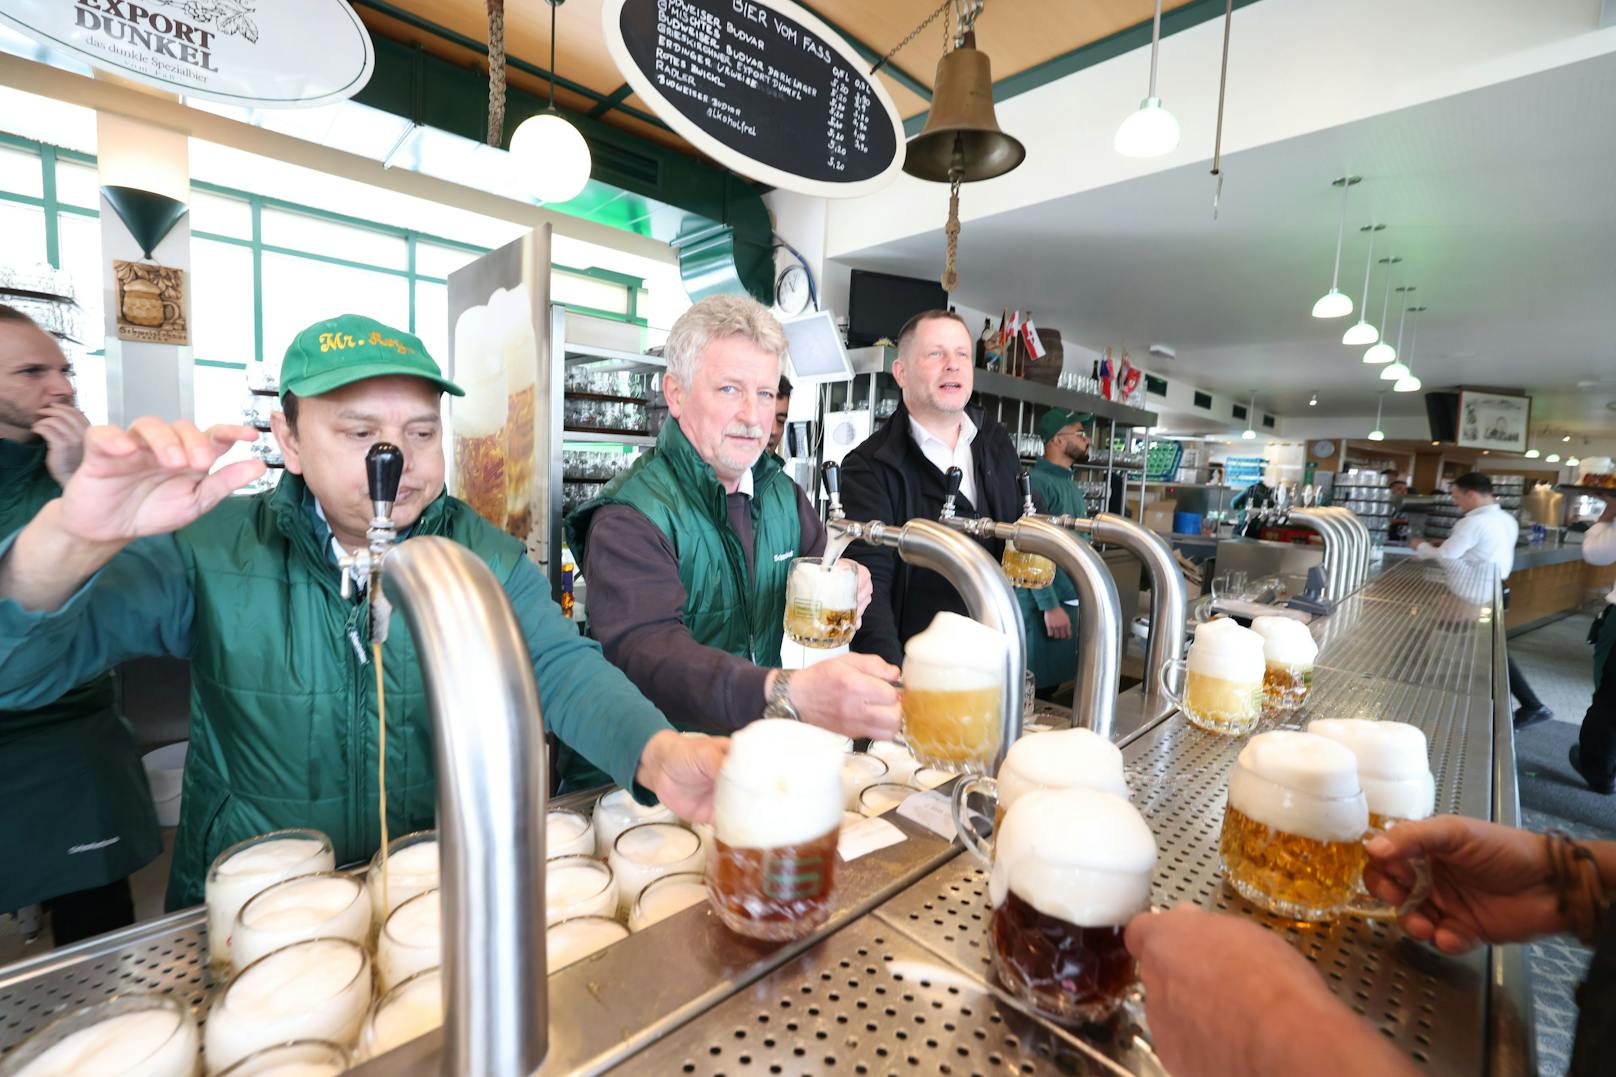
x=261, y=269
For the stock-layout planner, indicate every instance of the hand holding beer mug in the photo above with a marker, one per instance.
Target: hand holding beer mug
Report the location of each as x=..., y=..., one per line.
x=1223, y=678
x=822, y=602
x=1397, y=784
x=1293, y=829
x=1073, y=867
x=953, y=694
x=778, y=814
x=1061, y=759
x=1288, y=654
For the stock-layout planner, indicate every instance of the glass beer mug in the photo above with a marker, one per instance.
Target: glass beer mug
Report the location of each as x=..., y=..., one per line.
x=953, y=694
x=821, y=602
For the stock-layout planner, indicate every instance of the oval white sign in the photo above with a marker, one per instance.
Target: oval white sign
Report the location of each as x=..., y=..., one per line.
x=293, y=53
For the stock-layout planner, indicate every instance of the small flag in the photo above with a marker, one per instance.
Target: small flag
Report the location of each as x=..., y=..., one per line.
x=1029, y=333
x=1105, y=375
x=1004, y=329
x=1014, y=327
x=1127, y=377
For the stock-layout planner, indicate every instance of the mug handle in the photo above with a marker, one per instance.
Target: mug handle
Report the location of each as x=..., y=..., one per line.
x=168, y=306
x=1174, y=695
x=968, y=834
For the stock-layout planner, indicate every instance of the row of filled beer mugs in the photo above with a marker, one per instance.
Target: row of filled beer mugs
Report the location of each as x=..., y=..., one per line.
x=1234, y=677
x=1301, y=804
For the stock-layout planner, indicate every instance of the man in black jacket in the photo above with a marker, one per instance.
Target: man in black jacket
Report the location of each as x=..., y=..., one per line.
x=896, y=475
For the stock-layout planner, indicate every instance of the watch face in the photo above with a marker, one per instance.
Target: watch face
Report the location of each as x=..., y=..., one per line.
x=791, y=290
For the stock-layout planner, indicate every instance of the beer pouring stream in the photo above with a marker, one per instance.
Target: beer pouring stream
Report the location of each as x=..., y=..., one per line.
x=977, y=577
x=1099, y=617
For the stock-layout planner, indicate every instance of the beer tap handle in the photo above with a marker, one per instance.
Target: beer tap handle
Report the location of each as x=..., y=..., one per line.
x=952, y=477
x=1024, y=480
x=384, y=467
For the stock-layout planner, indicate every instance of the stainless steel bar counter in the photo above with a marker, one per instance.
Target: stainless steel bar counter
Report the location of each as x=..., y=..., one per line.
x=898, y=981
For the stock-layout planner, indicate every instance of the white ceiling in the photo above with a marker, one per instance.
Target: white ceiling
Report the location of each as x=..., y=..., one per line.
x=1499, y=200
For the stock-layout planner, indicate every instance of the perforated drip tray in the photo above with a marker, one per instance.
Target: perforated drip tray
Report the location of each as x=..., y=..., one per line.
x=870, y=1001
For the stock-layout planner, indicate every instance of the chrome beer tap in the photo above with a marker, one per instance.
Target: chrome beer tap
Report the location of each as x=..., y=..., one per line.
x=384, y=467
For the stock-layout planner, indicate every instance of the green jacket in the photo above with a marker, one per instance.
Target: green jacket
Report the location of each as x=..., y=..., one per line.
x=78, y=812
x=283, y=721
x=674, y=488
x=1053, y=662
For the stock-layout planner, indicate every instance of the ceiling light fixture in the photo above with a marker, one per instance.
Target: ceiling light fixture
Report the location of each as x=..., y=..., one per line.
x=551, y=152
x=1313, y=401
x=1410, y=382
x=1381, y=352
x=1566, y=439
x=1248, y=434
x=1572, y=461
x=1152, y=130
x=1552, y=458
x=1377, y=434
x=1398, y=369
x=1334, y=304
x=1362, y=332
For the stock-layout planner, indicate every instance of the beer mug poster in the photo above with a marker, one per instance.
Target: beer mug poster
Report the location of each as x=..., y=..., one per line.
x=498, y=317
x=151, y=303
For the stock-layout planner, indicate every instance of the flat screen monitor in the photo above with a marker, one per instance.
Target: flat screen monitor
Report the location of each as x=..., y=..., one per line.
x=879, y=303
x=814, y=349
x=1442, y=409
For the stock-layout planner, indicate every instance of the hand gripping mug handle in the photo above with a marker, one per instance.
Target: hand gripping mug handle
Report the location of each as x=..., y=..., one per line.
x=968, y=834
x=1174, y=695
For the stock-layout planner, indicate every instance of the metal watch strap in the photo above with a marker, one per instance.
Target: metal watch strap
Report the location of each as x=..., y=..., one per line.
x=778, y=704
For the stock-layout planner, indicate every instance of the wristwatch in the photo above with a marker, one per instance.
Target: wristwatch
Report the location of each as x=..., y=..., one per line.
x=778, y=704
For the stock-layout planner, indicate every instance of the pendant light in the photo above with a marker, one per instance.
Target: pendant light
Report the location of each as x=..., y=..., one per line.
x=1572, y=461
x=1335, y=304
x=1248, y=434
x=552, y=154
x=1398, y=369
x=1152, y=130
x=1532, y=453
x=1566, y=439
x=1380, y=351
x=1377, y=434
x=1552, y=458
x=1410, y=382
x=1362, y=332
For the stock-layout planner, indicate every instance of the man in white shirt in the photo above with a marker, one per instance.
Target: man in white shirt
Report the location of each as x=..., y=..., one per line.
x=1485, y=535
x=1594, y=756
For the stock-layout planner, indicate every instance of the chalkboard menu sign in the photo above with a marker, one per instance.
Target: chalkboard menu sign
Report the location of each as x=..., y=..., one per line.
x=763, y=87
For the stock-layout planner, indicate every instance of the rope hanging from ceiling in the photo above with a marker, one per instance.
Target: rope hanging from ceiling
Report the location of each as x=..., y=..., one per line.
x=496, y=72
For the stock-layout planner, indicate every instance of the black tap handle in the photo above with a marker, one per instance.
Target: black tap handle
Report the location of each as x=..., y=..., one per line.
x=384, y=467
x=954, y=477
x=1024, y=480
x=832, y=473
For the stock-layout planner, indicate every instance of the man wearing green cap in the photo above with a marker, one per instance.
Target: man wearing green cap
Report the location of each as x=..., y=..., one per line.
x=1051, y=649
x=144, y=554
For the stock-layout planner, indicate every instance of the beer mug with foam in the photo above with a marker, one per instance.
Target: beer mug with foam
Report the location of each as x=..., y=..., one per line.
x=1397, y=784
x=1288, y=653
x=1061, y=759
x=953, y=694
x=821, y=602
x=777, y=815
x=1073, y=866
x=1222, y=687
x=1294, y=825
x=1028, y=570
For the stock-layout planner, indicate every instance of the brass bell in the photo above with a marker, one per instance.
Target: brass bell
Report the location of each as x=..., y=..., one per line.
x=961, y=131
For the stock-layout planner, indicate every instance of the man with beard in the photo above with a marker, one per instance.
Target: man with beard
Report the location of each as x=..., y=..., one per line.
x=78, y=818
x=1051, y=649
x=897, y=475
x=688, y=552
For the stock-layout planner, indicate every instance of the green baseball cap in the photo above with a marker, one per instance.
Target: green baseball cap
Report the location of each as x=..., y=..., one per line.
x=351, y=347
x=1057, y=419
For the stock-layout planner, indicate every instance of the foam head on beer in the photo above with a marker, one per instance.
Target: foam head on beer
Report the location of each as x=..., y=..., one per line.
x=1079, y=855
x=1227, y=652
x=1286, y=642
x=479, y=358
x=151, y=1035
x=567, y=833
x=1061, y=759
x=1300, y=783
x=954, y=654
x=953, y=679
x=781, y=785
x=833, y=588
x=1392, y=764
x=314, y=990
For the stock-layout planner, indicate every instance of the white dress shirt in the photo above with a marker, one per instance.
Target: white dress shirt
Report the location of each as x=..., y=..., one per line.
x=1599, y=548
x=940, y=453
x=1486, y=534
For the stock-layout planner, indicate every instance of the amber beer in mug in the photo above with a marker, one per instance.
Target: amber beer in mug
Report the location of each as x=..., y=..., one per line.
x=1222, y=678
x=777, y=815
x=496, y=363
x=821, y=602
x=1293, y=829
x=1073, y=866
x=1289, y=651
x=1025, y=569
x=953, y=694
x=1058, y=759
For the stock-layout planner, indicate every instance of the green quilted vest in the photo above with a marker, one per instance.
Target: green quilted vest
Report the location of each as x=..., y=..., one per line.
x=678, y=492
x=283, y=692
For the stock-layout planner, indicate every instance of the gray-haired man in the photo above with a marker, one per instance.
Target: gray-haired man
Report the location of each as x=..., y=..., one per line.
x=687, y=553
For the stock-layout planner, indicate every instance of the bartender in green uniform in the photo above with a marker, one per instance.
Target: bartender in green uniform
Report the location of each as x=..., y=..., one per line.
x=1051, y=649
x=78, y=818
